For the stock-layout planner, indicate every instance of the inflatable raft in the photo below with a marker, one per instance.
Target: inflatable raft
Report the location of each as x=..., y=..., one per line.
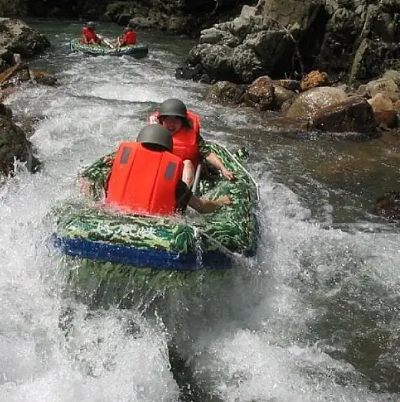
x=137, y=51
x=178, y=243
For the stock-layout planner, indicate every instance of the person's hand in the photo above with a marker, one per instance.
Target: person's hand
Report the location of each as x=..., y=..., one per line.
x=85, y=186
x=228, y=174
x=153, y=120
x=224, y=200
x=108, y=160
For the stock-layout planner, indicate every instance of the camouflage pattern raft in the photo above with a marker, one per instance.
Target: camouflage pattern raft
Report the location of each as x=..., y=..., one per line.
x=136, y=51
x=192, y=241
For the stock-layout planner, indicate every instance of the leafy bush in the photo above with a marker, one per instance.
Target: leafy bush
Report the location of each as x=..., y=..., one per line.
x=119, y=7
x=14, y=8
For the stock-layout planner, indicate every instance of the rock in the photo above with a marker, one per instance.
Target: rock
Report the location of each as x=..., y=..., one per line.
x=349, y=40
x=5, y=111
x=314, y=79
x=388, y=205
x=354, y=114
x=292, y=85
x=290, y=12
x=14, y=145
x=260, y=94
x=43, y=77
x=396, y=106
x=282, y=95
x=386, y=119
x=307, y=104
x=17, y=37
x=14, y=75
x=224, y=92
x=381, y=103
x=392, y=75
x=386, y=86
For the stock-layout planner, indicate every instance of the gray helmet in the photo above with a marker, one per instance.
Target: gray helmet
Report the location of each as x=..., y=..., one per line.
x=126, y=29
x=91, y=24
x=155, y=134
x=173, y=107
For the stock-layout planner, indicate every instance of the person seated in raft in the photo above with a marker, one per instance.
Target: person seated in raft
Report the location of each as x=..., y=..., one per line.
x=89, y=35
x=146, y=177
x=128, y=38
x=188, y=144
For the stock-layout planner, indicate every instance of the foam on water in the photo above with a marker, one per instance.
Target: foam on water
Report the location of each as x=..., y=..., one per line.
x=272, y=339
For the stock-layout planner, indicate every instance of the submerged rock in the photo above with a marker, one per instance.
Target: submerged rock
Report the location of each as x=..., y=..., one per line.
x=388, y=205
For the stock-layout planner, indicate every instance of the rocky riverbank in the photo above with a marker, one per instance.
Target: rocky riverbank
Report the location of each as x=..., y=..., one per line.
x=353, y=41
x=18, y=42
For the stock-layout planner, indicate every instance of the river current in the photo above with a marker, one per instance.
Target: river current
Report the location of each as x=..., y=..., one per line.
x=316, y=317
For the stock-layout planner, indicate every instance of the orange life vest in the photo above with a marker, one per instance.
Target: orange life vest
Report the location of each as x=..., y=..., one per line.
x=143, y=180
x=185, y=141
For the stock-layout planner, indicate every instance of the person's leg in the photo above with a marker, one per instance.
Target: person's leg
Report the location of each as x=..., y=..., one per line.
x=188, y=172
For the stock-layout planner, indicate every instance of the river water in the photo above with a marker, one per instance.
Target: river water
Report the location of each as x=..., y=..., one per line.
x=317, y=321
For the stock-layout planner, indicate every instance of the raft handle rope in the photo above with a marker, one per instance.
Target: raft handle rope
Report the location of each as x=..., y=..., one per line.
x=198, y=233
x=245, y=171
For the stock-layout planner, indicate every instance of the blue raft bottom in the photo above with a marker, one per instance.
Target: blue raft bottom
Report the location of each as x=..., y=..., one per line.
x=151, y=258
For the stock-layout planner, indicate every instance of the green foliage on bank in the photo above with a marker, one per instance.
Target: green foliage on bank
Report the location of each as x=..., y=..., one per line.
x=14, y=8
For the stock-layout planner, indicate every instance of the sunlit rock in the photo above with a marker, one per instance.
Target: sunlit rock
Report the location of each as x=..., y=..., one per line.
x=386, y=86
x=307, y=104
x=314, y=79
x=260, y=94
x=17, y=37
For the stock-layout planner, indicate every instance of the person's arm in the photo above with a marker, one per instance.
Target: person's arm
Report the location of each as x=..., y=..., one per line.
x=216, y=161
x=213, y=158
x=208, y=206
x=185, y=197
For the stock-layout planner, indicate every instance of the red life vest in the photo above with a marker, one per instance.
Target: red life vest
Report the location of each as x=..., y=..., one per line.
x=185, y=141
x=90, y=34
x=129, y=38
x=143, y=180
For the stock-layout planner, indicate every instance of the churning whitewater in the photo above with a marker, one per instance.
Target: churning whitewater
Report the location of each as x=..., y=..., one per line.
x=313, y=318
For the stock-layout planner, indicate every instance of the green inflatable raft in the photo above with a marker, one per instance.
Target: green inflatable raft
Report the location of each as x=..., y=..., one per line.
x=136, y=51
x=92, y=232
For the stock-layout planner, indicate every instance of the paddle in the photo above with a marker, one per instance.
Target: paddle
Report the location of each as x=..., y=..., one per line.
x=196, y=179
x=106, y=41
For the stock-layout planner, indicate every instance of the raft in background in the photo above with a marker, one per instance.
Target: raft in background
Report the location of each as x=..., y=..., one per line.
x=177, y=243
x=137, y=51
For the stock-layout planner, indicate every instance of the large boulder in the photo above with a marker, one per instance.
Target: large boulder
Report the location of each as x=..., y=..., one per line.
x=352, y=115
x=17, y=37
x=308, y=103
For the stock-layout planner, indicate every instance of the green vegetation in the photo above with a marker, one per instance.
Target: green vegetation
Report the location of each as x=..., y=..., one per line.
x=14, y=8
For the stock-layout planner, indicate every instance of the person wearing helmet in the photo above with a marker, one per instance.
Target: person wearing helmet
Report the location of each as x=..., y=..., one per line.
x=128, y=38
x=184, y=126
x=89, y=35
x=146, y=177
